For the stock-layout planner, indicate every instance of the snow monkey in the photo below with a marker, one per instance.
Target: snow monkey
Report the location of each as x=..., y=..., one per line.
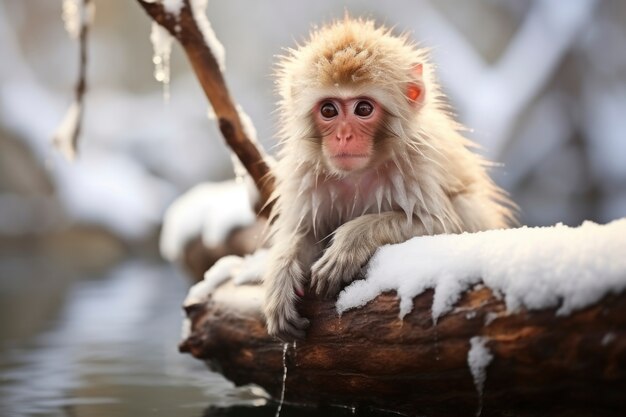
x=369, y=156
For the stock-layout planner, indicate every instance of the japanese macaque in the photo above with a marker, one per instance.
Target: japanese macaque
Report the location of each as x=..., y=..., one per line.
x=369, y=156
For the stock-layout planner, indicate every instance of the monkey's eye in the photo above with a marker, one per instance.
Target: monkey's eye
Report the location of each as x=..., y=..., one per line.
x=363, y=109
x=328, y=111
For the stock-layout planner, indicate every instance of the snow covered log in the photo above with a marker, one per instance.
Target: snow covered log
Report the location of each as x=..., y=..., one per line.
x=575, y=365
x=552, y=339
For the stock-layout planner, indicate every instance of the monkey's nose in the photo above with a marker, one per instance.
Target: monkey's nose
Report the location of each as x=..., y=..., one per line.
x=344, y=133
x=344, y=138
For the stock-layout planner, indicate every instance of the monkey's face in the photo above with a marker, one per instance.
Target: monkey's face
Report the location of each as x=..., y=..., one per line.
x=347, y=129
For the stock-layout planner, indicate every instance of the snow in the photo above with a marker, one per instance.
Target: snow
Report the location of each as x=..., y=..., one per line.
x=77, y=14
x=251, y=270
x=478, y=358
x=173, y=6
x=533, y=268
x=65, y=137
x=246, y=270
x=210, y=210
x=198, y=8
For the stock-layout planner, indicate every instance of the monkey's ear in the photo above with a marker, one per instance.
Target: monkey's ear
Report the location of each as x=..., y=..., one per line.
x=415, y=89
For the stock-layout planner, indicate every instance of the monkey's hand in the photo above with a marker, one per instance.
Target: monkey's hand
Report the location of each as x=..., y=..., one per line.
x=282, y=317
x=341, y=262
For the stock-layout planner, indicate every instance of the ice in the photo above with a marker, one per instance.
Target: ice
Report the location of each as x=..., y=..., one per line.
x=478, y=358
x=162, y=47
x=284, y=382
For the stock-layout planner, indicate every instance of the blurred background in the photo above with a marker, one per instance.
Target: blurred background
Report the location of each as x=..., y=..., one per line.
x=89, y=313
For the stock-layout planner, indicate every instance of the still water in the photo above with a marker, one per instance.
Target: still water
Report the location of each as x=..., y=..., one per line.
x=110, y=349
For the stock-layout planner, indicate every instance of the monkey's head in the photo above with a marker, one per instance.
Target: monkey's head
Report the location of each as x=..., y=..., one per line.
x=349, y=93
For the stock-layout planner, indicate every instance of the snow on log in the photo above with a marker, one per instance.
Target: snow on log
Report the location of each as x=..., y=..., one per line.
x=211, y=220
x=483, y=354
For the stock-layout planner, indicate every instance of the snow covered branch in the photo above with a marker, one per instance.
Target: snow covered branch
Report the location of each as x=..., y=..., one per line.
x=185, y=20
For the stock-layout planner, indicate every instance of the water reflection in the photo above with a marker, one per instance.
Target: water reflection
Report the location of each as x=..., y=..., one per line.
x=111, y=351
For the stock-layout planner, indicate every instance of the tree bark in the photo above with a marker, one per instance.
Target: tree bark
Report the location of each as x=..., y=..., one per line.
x=542, y=364
x=185, y=29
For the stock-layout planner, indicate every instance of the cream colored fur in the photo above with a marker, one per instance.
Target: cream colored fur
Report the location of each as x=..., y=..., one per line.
x=425, y=181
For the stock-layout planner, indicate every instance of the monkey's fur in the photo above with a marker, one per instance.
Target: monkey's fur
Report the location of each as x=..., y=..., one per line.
x=424, y=179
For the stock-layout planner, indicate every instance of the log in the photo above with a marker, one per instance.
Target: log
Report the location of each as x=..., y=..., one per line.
x=198, y=258
x=542, y=364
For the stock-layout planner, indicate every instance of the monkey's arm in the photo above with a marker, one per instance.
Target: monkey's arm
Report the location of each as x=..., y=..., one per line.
x=353, y=245
x=290, y=258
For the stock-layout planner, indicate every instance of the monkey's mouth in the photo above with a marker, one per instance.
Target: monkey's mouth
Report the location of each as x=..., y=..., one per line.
x=350, y=161
x=346, y=155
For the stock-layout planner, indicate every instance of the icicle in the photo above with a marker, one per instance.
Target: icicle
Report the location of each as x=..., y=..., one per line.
x=478, y=358
x=282, y=392
x=162, y=46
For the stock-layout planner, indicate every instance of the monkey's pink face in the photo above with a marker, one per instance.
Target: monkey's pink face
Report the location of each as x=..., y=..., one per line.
x=348, y=128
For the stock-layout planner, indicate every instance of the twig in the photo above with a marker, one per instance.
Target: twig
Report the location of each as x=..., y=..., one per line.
x=68, y=133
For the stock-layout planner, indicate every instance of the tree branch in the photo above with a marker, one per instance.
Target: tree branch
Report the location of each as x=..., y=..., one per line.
x=185, y=29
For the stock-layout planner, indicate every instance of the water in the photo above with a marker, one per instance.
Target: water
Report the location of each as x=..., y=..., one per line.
x=111, y=350
x=106, y=345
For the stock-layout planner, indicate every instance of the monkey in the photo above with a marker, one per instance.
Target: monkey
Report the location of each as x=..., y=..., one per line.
x=369, y=155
